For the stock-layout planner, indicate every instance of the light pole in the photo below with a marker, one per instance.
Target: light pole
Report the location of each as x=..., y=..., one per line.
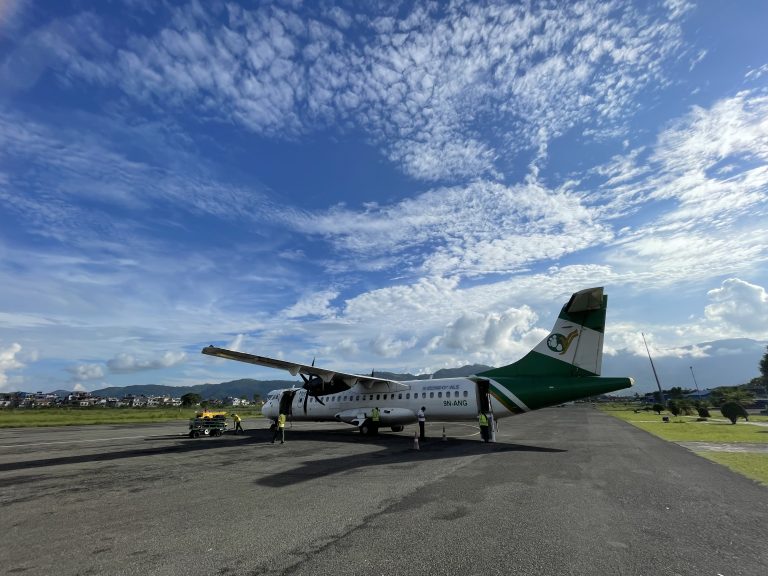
x=694, y=380
x=661, y=392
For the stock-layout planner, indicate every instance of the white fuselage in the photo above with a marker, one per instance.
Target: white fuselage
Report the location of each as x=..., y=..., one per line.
x=444, y=399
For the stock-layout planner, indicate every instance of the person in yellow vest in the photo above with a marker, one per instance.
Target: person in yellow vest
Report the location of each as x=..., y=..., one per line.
x=375, y=420
x=279, y=429
x=238, y=423
x=483, y=420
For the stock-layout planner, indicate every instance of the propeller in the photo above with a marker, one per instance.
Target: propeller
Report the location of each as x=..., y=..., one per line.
x=314, y=386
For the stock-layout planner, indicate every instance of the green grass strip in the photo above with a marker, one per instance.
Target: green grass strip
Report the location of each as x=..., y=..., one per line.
x=753, y=466
x=686, y=429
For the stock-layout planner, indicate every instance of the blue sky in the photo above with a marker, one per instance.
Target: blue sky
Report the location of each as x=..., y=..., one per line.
x=391, y=185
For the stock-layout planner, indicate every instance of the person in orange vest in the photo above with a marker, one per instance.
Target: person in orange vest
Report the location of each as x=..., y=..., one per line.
x=279, y=429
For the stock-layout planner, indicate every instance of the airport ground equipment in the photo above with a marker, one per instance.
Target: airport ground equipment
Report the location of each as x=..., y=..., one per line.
x=208, y=424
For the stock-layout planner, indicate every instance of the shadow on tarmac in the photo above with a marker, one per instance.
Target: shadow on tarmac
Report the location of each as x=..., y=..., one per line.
x=394, y=451
x=398, y=449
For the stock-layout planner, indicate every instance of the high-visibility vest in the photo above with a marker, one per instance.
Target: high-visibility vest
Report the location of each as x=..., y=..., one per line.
x=281, y=421
x=483, y=419
x=375, y=414
x=237, y=418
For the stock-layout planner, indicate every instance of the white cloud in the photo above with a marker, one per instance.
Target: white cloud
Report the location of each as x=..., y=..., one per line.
x=706, y=180
x=128, y=363
x=87, y=372
x=8, y=362
x=468, y=230
x=739, y=306
x=419, y=85
x=237, y=343
x=390, y=346
x=314, y=304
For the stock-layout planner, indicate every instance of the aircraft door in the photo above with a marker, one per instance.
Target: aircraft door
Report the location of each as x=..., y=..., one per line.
x=485, y=406
x=483, y=396
x=286, y=402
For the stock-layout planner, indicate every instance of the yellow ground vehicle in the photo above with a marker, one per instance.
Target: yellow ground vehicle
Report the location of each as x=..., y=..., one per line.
x=208, y=423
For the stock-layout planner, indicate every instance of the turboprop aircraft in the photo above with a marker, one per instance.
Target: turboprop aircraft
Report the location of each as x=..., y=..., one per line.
x=564, y=366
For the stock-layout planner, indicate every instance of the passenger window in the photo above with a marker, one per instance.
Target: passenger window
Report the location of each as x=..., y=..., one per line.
x=431, y=394
x=439, y=394
x=399, y=396
x=377, y=396
x=423, y=394
x=408, y=396
x=466, y=393
x=456, y=394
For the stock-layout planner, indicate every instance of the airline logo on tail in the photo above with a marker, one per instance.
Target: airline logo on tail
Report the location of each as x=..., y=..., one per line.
x=559, y=343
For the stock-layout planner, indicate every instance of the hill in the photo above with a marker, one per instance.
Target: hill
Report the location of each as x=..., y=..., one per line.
x=245, y=387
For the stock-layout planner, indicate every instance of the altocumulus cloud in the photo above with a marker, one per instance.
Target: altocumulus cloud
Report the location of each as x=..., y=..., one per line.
x=418, y=84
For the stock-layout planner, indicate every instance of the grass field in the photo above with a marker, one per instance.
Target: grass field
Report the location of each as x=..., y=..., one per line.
x=27, y=417
x=753, y=466
x=715, y=430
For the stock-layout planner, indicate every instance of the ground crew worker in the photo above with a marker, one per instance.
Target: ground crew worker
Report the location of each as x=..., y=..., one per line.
x=483, y=419
x=375, y=420
x=238, y=425
x=422, y=419
x=279, y=429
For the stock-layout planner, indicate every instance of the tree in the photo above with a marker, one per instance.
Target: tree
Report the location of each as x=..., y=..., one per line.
x=674, y=407
x=658, y=408
x=723, y=394
x=733, y=411
x=764, y=367
x=703, y=412
x=257, y=398
x=190, y=399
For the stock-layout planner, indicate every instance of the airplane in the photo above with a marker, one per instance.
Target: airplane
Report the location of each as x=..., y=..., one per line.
x=563, y=367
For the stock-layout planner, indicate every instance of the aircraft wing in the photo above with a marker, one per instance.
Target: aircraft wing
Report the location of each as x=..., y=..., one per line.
x=338, y=381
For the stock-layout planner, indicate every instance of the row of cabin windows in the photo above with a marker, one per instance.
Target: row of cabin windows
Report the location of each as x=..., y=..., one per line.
x=391, y=396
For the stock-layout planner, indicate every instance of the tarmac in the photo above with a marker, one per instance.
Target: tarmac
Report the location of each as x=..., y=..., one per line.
x=563, y=491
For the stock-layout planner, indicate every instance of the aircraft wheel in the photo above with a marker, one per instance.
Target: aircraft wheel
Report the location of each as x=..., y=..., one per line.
x=195, y=434
x=365, y=430
x=397, y=428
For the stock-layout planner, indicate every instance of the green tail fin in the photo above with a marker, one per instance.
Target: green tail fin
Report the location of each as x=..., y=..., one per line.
x=565, y=365
x=575, y=345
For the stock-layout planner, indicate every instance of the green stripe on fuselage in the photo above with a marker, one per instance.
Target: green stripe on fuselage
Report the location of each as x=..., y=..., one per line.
x=542, y=391
x=536, y=365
